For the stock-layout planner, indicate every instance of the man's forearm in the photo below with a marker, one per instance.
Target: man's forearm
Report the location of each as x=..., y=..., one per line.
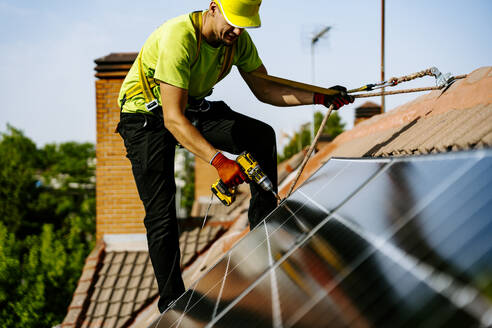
x=174, y=101
x=275, y=93
x=189, y=137
x=280, y=95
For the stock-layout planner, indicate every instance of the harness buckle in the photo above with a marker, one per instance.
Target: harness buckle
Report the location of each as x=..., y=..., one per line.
x=152, y=105
x=203, y=106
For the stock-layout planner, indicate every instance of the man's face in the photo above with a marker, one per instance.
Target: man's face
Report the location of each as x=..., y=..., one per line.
x=226, y=33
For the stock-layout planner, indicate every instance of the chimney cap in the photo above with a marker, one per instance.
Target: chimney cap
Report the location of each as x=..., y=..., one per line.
x=117, y=58
x=114, y=65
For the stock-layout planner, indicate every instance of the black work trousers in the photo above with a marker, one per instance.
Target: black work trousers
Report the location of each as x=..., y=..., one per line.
x=151, y=147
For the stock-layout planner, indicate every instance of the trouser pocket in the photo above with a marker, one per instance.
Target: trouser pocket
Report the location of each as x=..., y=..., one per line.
x=150, y=148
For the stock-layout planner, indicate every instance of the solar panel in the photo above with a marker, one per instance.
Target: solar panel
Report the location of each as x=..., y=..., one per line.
x=363, y=243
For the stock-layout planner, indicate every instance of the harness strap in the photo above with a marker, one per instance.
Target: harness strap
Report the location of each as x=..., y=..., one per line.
x=142, y=80
x=226, y=65
x=145, y=86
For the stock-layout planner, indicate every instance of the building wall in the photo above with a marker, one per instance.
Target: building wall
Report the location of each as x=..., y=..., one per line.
x=118, y=207
x=205, y=176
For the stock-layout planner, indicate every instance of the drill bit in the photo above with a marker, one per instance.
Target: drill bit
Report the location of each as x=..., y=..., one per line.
x=276, y=195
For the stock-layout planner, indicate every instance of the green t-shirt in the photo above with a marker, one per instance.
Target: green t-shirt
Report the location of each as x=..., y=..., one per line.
x=169, y=53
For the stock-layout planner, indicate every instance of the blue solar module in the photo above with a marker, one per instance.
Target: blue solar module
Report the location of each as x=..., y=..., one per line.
x=363, y=243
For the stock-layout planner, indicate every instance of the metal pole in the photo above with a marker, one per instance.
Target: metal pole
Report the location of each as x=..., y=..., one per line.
x=313, y=73
x=382, y=54
x=314, y=40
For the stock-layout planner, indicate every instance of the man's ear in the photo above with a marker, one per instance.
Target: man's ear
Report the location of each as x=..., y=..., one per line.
x=212, y=8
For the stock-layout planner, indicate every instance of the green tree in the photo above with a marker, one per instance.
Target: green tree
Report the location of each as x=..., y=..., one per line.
x=47, y=227
x=333, y=127
x=18, y=159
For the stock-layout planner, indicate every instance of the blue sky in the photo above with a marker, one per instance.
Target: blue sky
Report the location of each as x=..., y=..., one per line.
x=47, y=52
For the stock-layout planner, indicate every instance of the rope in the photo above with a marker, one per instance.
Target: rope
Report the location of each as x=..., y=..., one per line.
x=394, y=82
x=311, y=148
x=389, y=93
x=413, y=76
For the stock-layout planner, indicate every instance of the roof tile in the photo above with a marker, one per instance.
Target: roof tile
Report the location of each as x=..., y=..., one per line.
x=117, y=295
x=147, y=281
x=126, y=309
x=111, y=322
x=142, y=258
x=126, y=269
x=83, y=287
x=114, y=310
x=101, y=309
x=78, y=300
x=143, y=295
x=119, y=257
x=134, y=282
x=130, y=295
x=72, y=316
x=109, y=257
x=122, y=282
x=105, y=295
x=87, y=274
x=114, y=268
x=139, y=269
x=110, y=281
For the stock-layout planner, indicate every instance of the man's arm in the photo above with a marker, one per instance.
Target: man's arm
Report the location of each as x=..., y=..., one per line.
x=273, y=93
x=283, y=95
x=174, y=102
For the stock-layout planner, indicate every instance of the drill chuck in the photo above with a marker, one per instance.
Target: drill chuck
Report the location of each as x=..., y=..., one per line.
x=266, y=184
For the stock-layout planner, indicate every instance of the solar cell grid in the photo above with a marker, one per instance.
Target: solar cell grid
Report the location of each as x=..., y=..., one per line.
x=408, y=245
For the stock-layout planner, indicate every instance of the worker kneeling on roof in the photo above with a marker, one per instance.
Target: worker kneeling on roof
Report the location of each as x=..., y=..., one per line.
x=163, y=103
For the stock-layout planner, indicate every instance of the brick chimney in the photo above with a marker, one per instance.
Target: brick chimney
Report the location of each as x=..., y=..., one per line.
x=366, y=111
x=118, y=207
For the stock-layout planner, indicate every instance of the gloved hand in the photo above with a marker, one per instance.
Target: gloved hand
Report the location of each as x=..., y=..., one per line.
x=229, y=171
x=337, y=100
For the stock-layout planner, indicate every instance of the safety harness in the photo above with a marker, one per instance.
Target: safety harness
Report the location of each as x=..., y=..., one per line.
x=145, y=85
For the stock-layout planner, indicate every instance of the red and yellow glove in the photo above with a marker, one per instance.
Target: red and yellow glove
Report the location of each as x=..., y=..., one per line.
x=338, y=100
x=229, y=171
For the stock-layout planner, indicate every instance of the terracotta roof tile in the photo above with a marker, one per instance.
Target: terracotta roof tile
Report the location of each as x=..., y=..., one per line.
x=131, y=294
x=110, y=281
x=126, y=310
x=122, y=282
x=87, y=274
x=92, y=308
x=114, y=309
x=142, y=259
x=139, y=269
x=147, y=281
x=117, y=296
x=119, y=257
x=134, y=282
x=78, y=300
x=83, y=287
x=111, y=322
x=72, y=317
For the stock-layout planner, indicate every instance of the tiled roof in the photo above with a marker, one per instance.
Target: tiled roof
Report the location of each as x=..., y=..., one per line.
x=117, y=284
x=125, y=286
x=195, y=242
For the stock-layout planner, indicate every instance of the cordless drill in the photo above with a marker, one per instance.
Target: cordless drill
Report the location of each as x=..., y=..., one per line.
x=252, y=170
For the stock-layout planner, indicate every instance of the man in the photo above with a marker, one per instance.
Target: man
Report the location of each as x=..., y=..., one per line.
x=162, y=104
